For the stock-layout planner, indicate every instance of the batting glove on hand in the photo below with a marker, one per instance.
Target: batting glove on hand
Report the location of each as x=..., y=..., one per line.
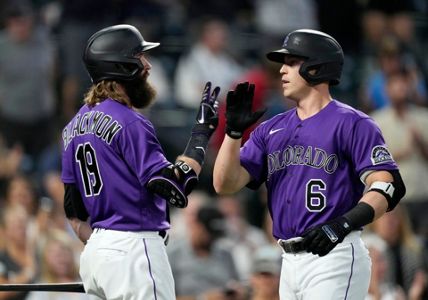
x=205, y=125
x=207, y=117
x=322, y=239
x=239, y=114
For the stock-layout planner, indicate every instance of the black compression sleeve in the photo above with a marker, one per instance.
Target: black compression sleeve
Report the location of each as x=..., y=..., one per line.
x=73, y=203
x=198, y=143
x=360, y=215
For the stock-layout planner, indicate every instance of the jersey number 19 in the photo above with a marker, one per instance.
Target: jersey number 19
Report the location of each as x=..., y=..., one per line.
x=91, y=178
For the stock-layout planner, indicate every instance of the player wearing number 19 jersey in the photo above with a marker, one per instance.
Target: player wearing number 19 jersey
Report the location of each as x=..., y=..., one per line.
x=117, y=180
x=325, y=165
x=107, y=165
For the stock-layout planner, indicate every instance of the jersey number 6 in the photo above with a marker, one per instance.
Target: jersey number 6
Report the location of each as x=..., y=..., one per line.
x=315, y=199
x=87, y=159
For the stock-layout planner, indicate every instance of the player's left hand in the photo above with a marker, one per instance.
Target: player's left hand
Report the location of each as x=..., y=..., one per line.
x=207, y=117
x=323, y=238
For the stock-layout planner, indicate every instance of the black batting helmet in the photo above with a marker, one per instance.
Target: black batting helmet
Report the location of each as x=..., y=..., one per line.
x=111, y=53
x=320, y=51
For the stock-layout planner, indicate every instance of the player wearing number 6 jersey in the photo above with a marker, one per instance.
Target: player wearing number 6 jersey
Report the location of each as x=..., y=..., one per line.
x=326, y=167
x=118, y=182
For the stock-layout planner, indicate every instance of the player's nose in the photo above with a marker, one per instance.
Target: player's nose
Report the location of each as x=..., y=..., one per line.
x=283, y=69
x=146, y=63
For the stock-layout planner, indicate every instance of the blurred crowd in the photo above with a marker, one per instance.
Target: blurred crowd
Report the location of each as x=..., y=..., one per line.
x=221, y=247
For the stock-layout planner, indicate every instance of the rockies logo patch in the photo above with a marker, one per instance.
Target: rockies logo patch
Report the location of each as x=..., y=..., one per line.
x=380, y=155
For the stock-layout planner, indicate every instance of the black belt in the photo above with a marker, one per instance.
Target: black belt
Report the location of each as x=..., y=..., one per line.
x=163, y=233
x=292, y=246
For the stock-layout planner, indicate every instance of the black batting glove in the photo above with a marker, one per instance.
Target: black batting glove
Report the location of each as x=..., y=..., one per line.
x=323, y=238
x=239, y=114
x=207, y=117
x=205, y=125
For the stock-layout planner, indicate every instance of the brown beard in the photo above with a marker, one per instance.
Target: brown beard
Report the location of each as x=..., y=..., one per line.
x=140, y=92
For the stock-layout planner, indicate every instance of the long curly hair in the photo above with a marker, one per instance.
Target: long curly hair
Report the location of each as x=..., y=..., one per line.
x=106, y=89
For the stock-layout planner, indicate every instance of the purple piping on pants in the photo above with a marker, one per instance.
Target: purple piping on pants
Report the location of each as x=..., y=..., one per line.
x=150, y=269
x=350, y=275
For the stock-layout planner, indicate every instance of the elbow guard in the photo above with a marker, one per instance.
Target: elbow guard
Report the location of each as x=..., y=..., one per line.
x=174, y=183
x=400, y=189
x=393, y=192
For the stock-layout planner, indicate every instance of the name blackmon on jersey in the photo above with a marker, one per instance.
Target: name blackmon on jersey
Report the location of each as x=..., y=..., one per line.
x=91, y=122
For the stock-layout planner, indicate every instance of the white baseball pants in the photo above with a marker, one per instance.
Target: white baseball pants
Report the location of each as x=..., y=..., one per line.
x=120, y=265
x=343, y=274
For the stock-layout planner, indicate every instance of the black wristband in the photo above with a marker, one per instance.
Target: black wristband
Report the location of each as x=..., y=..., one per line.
x=198, y=143
x=233, y=133
x=360, y=215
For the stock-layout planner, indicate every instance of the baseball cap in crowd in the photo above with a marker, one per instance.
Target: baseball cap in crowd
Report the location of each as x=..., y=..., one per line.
x=212, y=219
x=267, y=259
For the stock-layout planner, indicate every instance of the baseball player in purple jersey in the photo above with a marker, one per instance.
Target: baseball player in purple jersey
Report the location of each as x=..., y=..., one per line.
x=118, y=182
x=326, y=167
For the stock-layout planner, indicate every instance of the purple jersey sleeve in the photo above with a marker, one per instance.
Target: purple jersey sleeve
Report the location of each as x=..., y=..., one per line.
x=145, y=161
x=368, y=149
x=67, y=173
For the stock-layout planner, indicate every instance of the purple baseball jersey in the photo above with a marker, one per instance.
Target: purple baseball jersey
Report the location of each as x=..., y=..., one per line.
x=110, y=152
x=312, y=168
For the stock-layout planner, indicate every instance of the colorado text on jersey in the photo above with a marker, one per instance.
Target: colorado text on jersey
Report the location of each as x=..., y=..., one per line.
x=297, y=155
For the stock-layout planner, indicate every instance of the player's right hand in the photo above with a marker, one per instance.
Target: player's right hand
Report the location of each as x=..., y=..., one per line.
x=239, y=114
x=207, y=117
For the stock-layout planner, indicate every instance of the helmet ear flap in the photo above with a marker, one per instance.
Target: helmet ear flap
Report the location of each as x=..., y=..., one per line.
x=130, y=68
x=316, y=73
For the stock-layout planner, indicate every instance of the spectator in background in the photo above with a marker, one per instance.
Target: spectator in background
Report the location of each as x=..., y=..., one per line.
x=383, y=17
x=265, y=273
x=374, y=25
x=183, y=219
x=201, y=267
x=27, y=100
x=21, y=190
x=390, y=60
x=404, y=252
x=17, y=261
x=379, y=289
x=398, y=18
x=242, y=239
x=54, y=189
x=297, y=13
x=208, y=60
x=10, y=161
x=404, y=127
x=58, y=265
